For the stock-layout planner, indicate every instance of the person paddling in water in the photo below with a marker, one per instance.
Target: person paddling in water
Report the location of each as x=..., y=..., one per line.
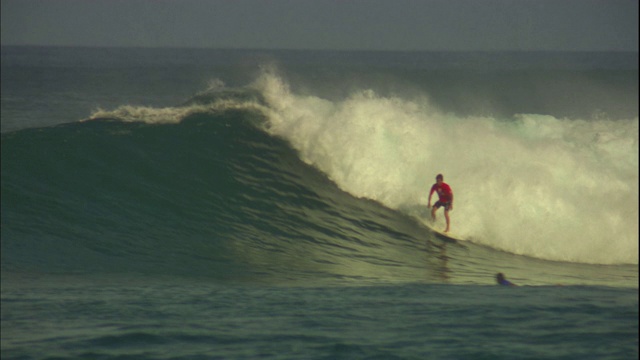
x=502, y=281
x=445, y=196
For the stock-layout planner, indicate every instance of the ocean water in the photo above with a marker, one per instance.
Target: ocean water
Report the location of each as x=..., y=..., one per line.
x=243, y=204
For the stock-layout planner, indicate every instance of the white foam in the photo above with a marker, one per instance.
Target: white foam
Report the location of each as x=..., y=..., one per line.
x=169, y=115
x=149, y=115
x=535, y=185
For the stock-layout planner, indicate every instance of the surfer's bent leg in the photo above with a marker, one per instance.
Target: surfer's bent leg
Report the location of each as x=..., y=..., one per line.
x=446, y=216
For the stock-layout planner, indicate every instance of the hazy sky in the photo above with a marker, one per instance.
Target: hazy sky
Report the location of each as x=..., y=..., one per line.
x=326, y=24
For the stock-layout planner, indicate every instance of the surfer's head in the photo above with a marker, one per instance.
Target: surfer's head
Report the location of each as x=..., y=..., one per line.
x=439, y=177
x=500, y=277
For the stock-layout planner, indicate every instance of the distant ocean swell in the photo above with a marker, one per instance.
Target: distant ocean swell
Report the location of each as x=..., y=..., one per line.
x=216, y=183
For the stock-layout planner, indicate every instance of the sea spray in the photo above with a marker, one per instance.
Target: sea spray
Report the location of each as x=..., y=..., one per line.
x=533, y=185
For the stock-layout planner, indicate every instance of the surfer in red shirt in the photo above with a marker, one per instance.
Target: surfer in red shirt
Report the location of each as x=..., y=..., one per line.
x=445, y=196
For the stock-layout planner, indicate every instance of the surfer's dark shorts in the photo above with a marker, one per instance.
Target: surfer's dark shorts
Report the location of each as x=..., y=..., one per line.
x=438, y=204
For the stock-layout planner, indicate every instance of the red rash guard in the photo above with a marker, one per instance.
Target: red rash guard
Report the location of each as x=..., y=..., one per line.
x=444, y=192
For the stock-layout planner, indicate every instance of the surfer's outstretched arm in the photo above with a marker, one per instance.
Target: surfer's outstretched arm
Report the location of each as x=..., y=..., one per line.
x=433, y=208
x=430, y=195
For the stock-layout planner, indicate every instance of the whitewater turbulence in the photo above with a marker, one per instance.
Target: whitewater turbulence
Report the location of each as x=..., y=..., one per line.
x=535, y=185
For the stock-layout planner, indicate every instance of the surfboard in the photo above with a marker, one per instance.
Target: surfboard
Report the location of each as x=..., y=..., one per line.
x=445, y=236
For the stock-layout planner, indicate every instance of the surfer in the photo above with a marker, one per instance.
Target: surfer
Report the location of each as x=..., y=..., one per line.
x=502, y=281
x=445, y=196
